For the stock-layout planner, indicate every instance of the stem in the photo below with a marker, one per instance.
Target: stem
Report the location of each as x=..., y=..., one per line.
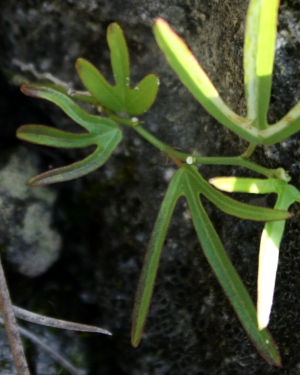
x=209, y=160
x=11, y=327
x=241, y=160
x=251, y=148
x=194, y=159
x=134, y=123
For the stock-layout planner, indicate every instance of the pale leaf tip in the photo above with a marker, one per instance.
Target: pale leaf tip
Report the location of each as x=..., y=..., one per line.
x=160, y=23
x=263, y=318
x=159, y=20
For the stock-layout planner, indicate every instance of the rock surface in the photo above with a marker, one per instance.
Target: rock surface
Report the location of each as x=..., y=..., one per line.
x=106, y=218
x=27, y=239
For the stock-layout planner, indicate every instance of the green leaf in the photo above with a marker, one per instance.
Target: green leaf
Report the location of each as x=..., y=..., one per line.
x=288, y=192
x=105, y=146
x=271, y=236
x=77, y=114
x=102, y=132
x=284, y=128
x=267, y=270
x=107, y=95
x=247, y=185
x=194, y=78
x=47, y=136
x=232, y=206
x=118, y=98
x=229, y=279
x=119, y=57
x=142, y=96
x=269, y=253
x=184, y=183
x=152, y=257
x=259, y=51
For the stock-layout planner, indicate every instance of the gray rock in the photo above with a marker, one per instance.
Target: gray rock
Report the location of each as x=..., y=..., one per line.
x=27, y=238
x=191, y=329
x=6, y=360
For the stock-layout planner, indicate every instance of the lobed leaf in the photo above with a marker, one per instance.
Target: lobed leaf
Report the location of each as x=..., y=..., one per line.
x=138, y=100
x=184, y=183
x=105, y=146
x=102, y=132
x=229, y=279
x=120, y=97
x=195, y=79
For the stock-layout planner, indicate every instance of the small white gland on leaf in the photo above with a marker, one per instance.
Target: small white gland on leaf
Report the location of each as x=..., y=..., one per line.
x=190, y=160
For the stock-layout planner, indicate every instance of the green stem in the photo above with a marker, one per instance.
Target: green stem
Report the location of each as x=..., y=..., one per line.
x=251, y=148
x=240, y=161
x=134, y=123
x=209, y=160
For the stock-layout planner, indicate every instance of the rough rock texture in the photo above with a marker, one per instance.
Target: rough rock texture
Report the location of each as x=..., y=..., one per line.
x=6, y=360
x=106, y=217
x=27, y=239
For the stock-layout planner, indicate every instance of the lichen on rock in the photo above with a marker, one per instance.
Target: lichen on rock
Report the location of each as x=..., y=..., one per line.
x=26, y=236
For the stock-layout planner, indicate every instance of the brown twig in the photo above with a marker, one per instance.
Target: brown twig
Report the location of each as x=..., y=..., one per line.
x=11, y=327
x=56, y=323
x=47, y=348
